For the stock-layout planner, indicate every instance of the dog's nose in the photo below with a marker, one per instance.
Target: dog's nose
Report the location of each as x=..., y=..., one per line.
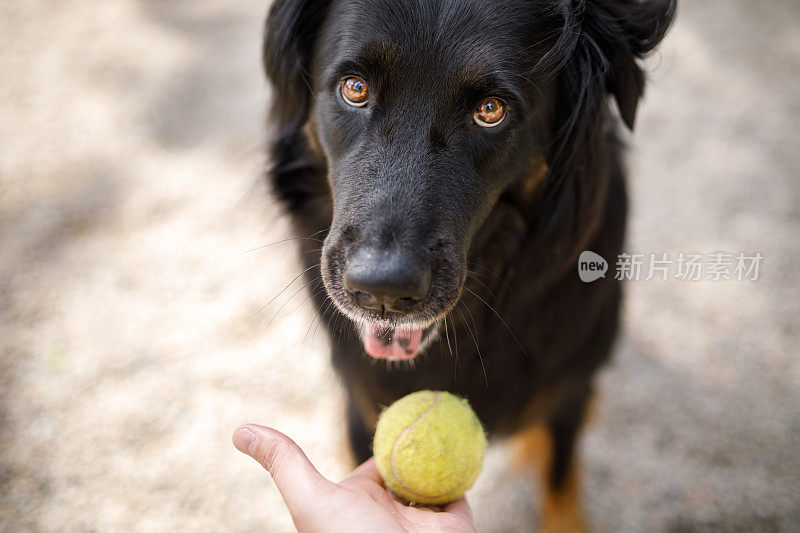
x=391, y=281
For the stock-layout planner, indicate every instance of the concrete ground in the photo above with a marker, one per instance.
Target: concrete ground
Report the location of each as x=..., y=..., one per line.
x=130, y=153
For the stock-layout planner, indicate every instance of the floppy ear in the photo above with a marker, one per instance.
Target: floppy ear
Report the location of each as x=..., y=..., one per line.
x=296, y=173
x=595, y=54
x=624, y=31
x=289, y=36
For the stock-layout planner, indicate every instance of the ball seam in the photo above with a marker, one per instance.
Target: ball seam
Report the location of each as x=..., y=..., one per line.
x=397, y=440
x=394, y=449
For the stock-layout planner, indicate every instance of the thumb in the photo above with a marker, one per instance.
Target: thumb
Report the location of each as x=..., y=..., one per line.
x=297, y=479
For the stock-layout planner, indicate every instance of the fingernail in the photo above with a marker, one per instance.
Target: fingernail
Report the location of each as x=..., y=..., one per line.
x=244, y=439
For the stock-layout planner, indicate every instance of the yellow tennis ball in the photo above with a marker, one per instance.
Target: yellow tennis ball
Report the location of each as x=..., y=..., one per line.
x=429, y=447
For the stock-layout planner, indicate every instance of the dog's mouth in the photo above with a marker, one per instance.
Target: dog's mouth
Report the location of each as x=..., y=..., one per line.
x=402, y=330
x=395, y=344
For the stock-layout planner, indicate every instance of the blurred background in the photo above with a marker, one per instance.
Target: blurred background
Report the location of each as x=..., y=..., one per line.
x=133, y=339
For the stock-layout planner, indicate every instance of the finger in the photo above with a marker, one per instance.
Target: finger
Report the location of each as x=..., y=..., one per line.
x=368, y=470
x=297, y=479
x=396, y=498
x=460, y=508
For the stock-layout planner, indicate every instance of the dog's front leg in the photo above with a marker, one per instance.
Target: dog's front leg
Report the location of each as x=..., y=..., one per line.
x=548, y=450
x=360, y=436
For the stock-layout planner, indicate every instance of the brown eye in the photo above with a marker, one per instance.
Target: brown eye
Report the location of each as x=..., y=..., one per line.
x=490, y=113
x=354, y=91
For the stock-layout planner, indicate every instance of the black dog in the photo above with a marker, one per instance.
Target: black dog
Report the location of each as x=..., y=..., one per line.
x=456, y=156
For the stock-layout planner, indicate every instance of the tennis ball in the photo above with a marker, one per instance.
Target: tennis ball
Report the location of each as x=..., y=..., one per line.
x=429, y=447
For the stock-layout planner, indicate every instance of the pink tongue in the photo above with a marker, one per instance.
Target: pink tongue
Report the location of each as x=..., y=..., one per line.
x=387, y=343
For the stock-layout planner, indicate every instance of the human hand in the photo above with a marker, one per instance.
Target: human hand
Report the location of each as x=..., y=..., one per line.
x=360, y=502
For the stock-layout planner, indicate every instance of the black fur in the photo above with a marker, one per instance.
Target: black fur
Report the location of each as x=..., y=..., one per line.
x=501, y=214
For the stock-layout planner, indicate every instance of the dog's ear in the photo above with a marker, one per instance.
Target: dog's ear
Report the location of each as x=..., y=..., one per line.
x=289, y=36
x=621, y=32
x=596, y=53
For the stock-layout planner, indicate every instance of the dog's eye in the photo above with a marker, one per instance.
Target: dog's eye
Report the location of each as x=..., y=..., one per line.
x=490, y=113
x=355, y=92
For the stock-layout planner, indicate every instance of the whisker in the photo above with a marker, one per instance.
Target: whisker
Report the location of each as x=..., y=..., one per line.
x=336, y=329
x=290, y=299
x=315, y=291
x=501, y=320
x=309, y=238
x=475, y=339
x=441, y=352
x=341, y=325
x=472, y=274
x=282, y=291
x=325, y=312
x=491, y=274
x=455, y=342
x=316, y=317
x=333, y=327
x=447, y=336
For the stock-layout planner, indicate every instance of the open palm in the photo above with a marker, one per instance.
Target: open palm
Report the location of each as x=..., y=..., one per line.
x=360, y=502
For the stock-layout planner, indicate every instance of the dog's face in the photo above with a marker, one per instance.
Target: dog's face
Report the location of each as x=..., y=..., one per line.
x=425, y=112
x=424, y=119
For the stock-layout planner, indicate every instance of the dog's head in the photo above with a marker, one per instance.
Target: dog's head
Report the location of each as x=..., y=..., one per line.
x=424, y=112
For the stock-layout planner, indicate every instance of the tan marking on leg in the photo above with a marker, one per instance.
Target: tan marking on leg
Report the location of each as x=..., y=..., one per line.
x=561, y=511
x=590, y=412
x=532, y=449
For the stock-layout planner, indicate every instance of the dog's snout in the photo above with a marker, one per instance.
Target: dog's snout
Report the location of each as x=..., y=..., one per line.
x=386, y=281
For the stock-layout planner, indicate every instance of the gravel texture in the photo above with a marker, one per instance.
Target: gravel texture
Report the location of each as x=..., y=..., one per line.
x=133, y=339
